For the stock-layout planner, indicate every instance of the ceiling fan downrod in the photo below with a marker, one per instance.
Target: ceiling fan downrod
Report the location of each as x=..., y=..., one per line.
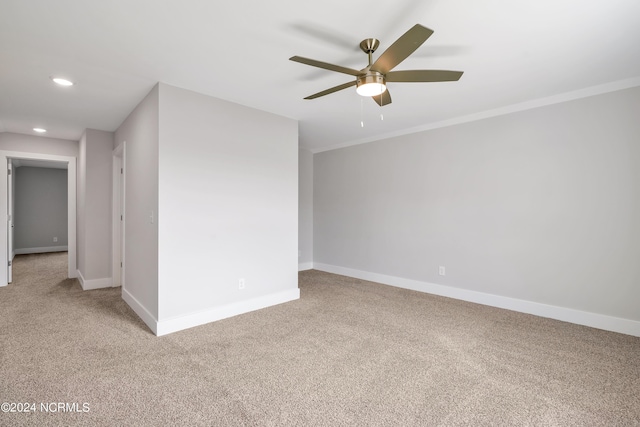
x=369, y=46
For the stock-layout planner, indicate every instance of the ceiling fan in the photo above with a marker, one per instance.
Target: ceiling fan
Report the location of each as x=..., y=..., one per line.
x=372, y=80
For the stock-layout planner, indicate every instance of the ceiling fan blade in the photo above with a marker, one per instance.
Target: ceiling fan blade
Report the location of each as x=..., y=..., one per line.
x=383, y=99
x=325, y=65
x=423, y=76
x=401, y=48
x=331, y=90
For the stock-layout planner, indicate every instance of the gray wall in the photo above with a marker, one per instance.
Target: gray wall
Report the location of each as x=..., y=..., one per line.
x=40, y=211
x=94, y=205
x=305, y=209
x=140, y=131
x=541, y=205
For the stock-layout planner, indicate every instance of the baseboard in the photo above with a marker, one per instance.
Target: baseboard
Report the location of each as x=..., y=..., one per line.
x=41, y=250
x=88, y=285
x=594, y=320
x=305, y=266
x=218, y=313
x=148, y=318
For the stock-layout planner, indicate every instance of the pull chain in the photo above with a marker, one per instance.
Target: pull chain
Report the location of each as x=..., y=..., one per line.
x=362, y=113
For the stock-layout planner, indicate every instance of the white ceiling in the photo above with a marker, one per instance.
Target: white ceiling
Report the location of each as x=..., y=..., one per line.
x=511, y=51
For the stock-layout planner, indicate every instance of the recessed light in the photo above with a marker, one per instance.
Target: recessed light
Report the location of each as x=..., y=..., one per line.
x=62, y=82
x=39, y=130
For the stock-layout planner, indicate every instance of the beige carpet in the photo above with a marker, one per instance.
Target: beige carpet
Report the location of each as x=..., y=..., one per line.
x=349, y=352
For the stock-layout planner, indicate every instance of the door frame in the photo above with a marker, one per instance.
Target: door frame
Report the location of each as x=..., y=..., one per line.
x=10, y=215
x=118, y=209
x=71, y=208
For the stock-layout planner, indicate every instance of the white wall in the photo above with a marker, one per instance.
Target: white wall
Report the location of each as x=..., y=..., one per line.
x=94, y=209
x=305, y=209
x=40, y=209
x=140, y=131
x=38, y=144
x=228, y=209
x=540, y=209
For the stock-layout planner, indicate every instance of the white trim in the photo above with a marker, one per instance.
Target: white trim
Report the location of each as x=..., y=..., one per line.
x=71, y=206
x=179, y=323
x=40, y=250
x=514, y=108
x=594, y=320
x=88, y=285
x=72, y=211
x=302, y=266
x=144, y=314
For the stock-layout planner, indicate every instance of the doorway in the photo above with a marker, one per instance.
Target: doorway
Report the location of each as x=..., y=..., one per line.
x=5, y=208
x=37, y=208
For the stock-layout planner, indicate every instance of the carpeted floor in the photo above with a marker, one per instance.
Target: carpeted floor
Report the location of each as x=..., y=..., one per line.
x=349, y=352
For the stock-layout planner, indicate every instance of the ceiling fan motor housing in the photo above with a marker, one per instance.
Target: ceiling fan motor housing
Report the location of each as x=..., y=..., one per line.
x=371, y=78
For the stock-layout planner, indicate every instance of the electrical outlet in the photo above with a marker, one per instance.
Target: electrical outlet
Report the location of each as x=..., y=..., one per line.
x=441, y=270
x=240, y=283
x=55, y=239
x=299, y=254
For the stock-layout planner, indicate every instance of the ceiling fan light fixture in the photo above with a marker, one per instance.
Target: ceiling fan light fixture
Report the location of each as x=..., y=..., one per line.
x=371, y=84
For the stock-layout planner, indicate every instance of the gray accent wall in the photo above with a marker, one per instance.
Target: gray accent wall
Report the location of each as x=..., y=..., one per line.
x=540, y=205
x=40, y=210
